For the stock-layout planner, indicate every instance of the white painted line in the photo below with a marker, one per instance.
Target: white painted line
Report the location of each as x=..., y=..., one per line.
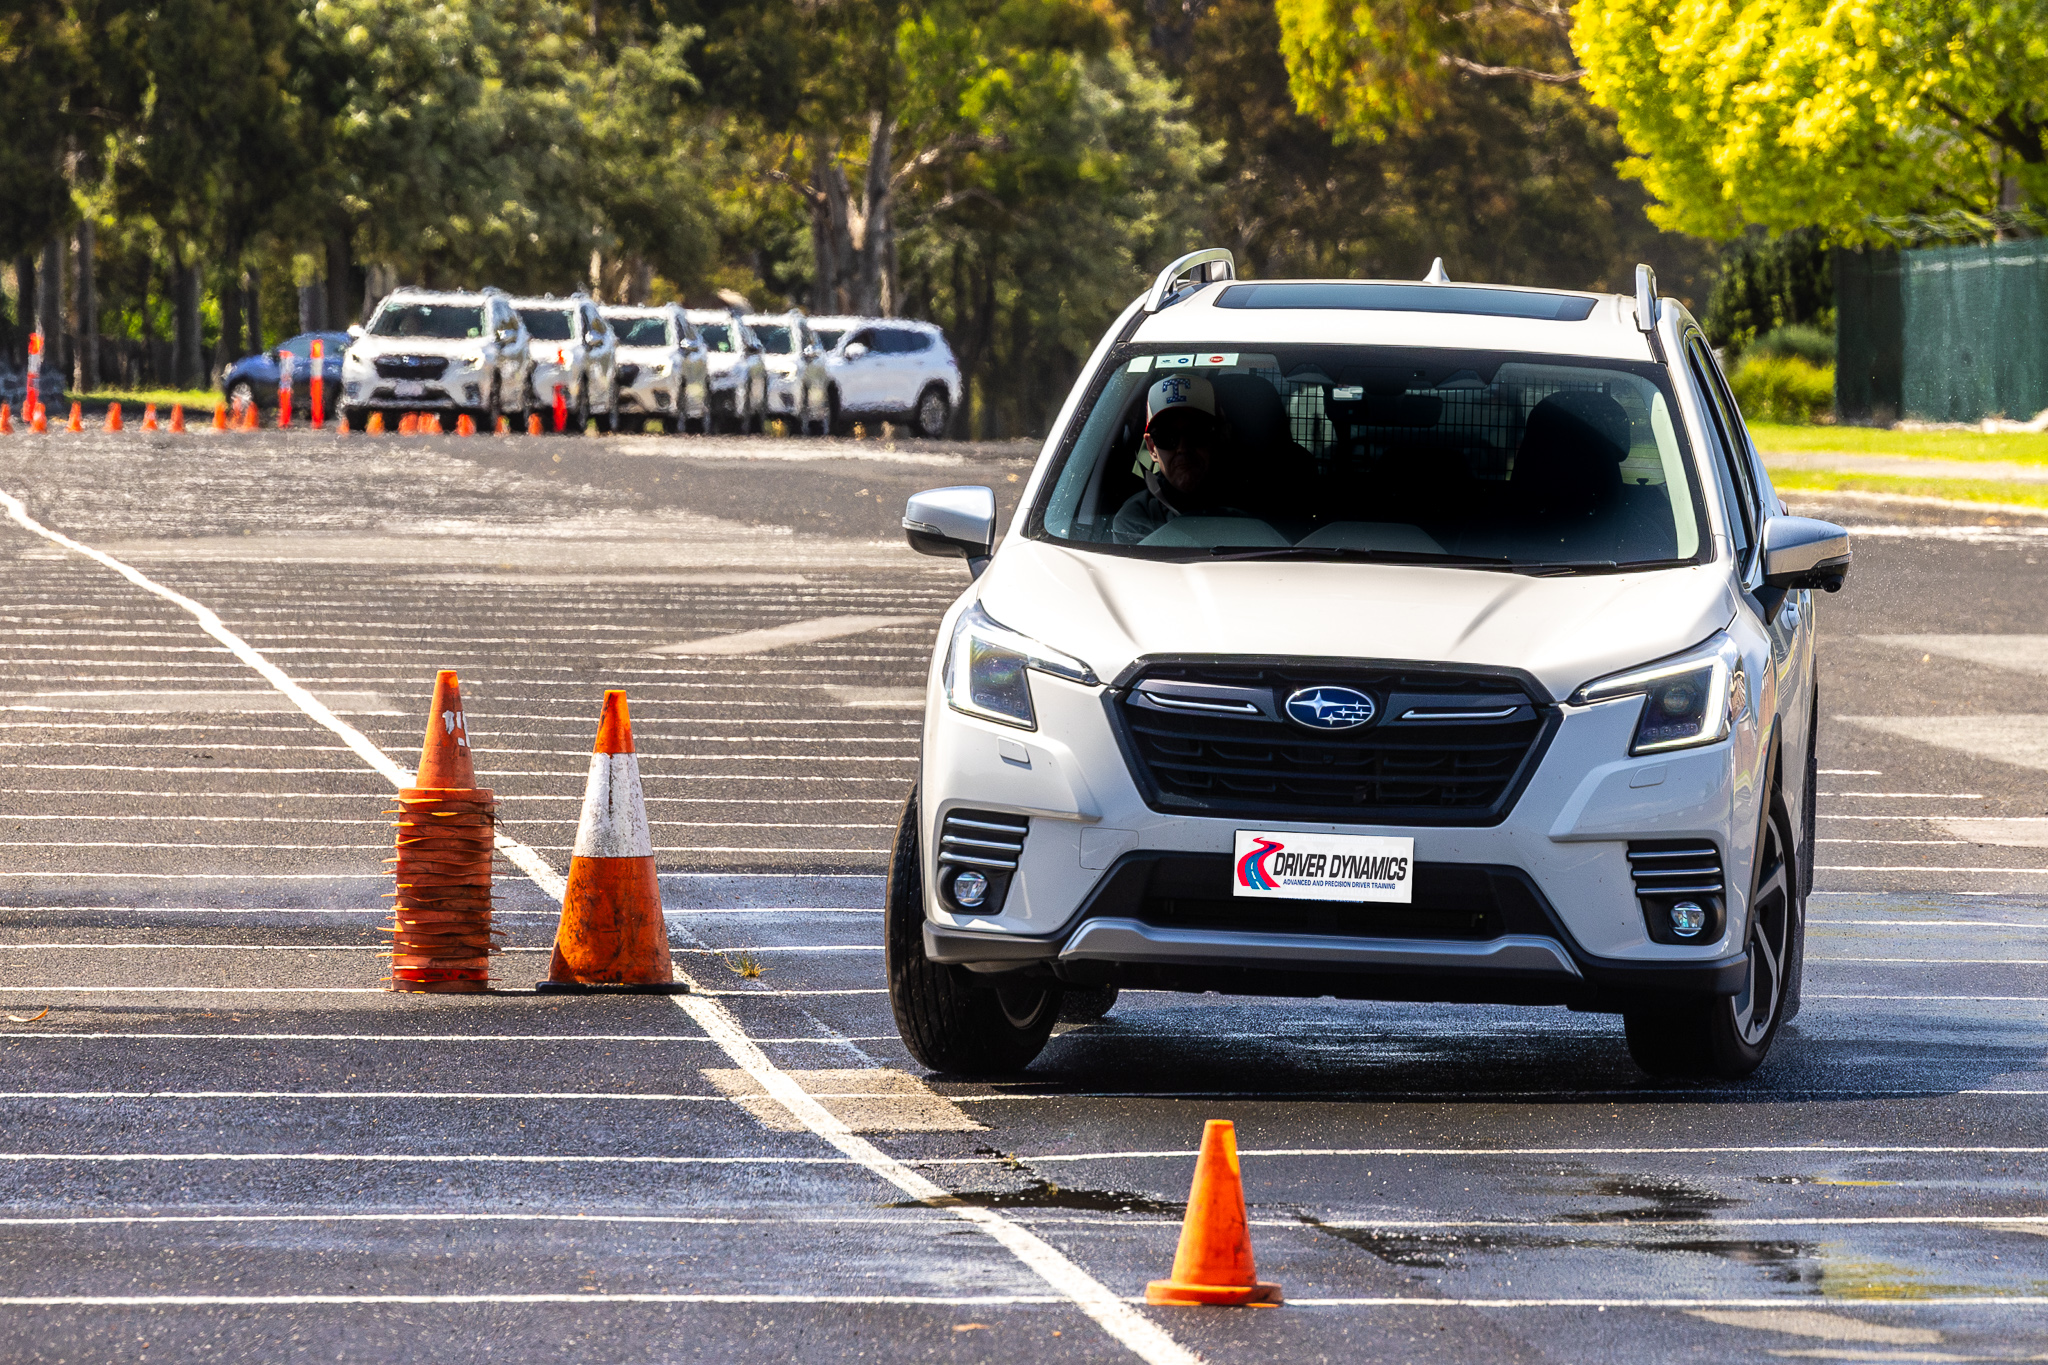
x=11, y=989
x=424, y=1158
x=433, y=1037
x=302, y=1300
x=1948, y=961
x=1911, y=1220
x=913, y=1217
x=1913, y=796
x=574, y=1095
x=1119, y=1319
x=1916, y=867
x=815, y=631
x=1943, y=999
x=1944, y=1301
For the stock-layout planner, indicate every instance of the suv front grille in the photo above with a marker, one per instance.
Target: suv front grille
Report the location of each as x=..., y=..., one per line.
x=984, y=842
x=1441, y=748
x=1669, y=871
x=411, y=366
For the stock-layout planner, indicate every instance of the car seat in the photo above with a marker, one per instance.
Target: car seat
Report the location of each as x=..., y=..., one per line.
x=1273, y=472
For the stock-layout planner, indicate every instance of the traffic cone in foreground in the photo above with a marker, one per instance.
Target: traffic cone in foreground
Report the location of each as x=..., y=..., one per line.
x=441, y=925
x=1214, y=1262
x=149, y=417
x=113, y=417
x=612, y=936
x=77, y=422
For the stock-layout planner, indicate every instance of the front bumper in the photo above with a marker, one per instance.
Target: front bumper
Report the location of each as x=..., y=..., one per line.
x=1538, y=907
x=465, y=390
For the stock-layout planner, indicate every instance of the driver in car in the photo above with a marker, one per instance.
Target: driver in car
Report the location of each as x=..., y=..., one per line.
x=1185, y=437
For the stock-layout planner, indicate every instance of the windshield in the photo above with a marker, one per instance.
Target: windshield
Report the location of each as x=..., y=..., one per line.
x=434, y=321
x=643, y=331
x=1486, y=458
x=775, y=339
x=546, y=324
x=828, y=337
x=717, y=337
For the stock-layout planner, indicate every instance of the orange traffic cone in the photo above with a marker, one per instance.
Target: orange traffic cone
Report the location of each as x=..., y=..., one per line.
x=533, y=424
x=464, y=426
x=561, y=410
x=408, y=423
x=612, y=936
x=249, y=417
x=149, y=417
x=177, y=417
x=220, y=415
x=77, y=422
x=6, y=420
x=113, y=417
x=441, y=925
x=345, y=429
x=39, y=423
x=375, y=426
x=504, y=427
x=1214, y=1261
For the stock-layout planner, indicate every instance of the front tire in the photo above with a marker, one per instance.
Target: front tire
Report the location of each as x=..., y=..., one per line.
x=1727, y=1037
x=932, y=412
x=948, y=1023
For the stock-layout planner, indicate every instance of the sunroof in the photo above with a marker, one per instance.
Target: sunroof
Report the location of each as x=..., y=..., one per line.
x=1408, y=298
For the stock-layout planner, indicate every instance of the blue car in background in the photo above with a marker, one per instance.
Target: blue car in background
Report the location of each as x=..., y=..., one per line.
x=253, y=378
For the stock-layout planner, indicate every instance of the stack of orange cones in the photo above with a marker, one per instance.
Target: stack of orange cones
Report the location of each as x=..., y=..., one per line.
x=114, y=417
x=77, y=422
x=441, y=925
x=149, y=417
x=612, y=937
x=1214, y=1261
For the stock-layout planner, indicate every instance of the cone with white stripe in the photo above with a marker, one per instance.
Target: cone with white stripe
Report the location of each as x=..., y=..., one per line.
x=612, y=936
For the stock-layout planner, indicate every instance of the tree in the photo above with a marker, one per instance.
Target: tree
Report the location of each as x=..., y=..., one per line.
x=1825, y=113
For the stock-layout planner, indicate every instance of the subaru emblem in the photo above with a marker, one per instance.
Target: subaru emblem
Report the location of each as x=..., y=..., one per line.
x=1330, y=708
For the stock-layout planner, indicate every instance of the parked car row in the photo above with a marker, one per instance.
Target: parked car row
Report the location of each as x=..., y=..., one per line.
x=572, y=361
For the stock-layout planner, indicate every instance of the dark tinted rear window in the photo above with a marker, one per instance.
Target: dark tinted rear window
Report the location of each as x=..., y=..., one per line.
x=1409, y=298
x=901, y=341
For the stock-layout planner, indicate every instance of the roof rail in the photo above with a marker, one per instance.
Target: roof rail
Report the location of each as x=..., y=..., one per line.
x=1646, y=299
x=1197, y=268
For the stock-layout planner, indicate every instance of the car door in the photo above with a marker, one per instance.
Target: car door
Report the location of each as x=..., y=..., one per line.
x=695, y=396
x=861, y=377
x=601, y=352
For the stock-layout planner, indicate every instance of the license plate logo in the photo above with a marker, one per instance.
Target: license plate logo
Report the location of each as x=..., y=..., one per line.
x=409, y=388
x=1323, y=867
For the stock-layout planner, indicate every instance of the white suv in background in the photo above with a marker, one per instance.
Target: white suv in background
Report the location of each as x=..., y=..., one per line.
x=890, y=369
x=797, y=385
x=1378, y=640
x=661, y=367
x=437, y=350
x=573, y=349
x=739, y=379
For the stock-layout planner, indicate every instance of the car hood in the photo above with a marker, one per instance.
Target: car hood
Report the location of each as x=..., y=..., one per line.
x=1109, y=610
x=721, y=361
x=780, y=364
x=644, y=355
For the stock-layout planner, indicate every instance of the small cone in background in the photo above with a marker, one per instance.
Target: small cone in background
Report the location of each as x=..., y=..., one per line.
x=375, y=426
x=40, y=422
x=431, y=424
x=504, y=427
x=249, y=420
x=612, y=936
x=561, y=410
x=408, y=423
x=177, y=417
x=533, y=424
x=343, y=427
x=149, y=417
x=6, y=420
x=77, y=422
x=464, y=426
x=1214, y=1261
x=220, y=415
x=441, y=926
x=113, y=417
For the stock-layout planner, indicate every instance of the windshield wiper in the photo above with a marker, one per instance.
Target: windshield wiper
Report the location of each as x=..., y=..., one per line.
x=1568, y=566
x=1357, y=552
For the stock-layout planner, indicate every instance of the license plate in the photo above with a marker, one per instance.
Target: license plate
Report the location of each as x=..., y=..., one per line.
x=1284, y=865
x=409, y=388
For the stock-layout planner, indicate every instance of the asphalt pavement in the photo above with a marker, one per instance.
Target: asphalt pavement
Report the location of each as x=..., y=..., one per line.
x=228, y=1142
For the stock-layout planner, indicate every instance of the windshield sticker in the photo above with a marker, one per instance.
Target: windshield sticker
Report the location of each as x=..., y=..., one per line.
x=1173, y=362
x=1140, y=364
x=1217, y=358
x=1323, y=867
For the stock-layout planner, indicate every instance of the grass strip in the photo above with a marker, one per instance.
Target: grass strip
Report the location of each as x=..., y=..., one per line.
x=2021, y=447
x=163, y=398
x=1953, y=490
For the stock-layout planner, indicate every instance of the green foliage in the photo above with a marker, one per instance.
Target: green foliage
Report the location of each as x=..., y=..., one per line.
x=1822, y=113
x=1797, y=341
x=1767, y=283
x=1784, y=388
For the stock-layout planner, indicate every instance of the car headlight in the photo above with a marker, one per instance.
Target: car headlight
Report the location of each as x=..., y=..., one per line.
x=987, y=666
x=472, y=362
x=1688, y=700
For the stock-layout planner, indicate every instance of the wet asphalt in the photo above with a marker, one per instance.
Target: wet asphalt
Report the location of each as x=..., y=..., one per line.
x=228, y=1143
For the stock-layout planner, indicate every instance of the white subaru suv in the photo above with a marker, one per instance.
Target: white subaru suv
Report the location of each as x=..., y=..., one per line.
x=1377, y=640
x=576, y=353
x=429, y=350
x=661, y=368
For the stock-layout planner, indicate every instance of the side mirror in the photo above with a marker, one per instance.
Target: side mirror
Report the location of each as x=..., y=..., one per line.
x=810, y=353
x=355, y=330
x=855, y=350
x=953, y=522
x=507, y=335
x=1800, y=552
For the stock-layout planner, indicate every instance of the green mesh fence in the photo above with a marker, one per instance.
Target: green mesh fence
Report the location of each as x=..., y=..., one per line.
x=1947, y=334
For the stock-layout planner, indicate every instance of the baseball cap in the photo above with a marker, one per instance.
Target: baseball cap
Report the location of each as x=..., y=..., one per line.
x=1188, y=391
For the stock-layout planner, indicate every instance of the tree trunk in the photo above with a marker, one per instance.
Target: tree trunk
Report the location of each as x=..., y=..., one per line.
x=877, y=244
x=50, y=312
x=255, y=309
x=188, y=366
x=227, y=352
x=340, y=265
x=85, y=309
x=24, y=305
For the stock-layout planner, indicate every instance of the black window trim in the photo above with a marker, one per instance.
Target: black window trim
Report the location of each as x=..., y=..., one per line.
x=1748, y=507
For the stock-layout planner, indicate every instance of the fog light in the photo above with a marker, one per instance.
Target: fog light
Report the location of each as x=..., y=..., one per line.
x=971, y=889
x=1687, y=918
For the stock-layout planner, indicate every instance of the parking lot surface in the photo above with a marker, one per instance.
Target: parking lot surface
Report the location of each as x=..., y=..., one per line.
x=227, y=1141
